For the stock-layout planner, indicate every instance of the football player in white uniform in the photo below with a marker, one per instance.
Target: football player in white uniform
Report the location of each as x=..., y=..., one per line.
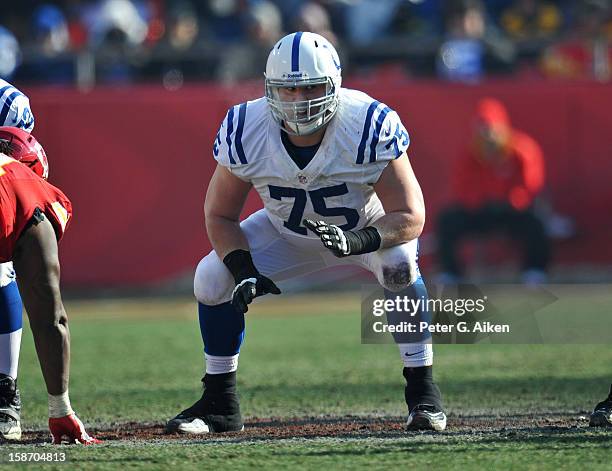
x=331, y=168
x=14, y=112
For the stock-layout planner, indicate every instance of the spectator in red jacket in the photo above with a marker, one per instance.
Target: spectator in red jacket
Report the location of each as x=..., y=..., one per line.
x=495, y=182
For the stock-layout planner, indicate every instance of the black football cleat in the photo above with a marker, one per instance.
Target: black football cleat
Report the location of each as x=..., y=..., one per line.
x=425, y=411
x=426, y=417
x=10, y=407
x=602, y=414
x=217, y=411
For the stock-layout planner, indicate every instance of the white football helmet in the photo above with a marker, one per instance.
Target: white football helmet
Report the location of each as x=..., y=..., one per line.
x=298, y=60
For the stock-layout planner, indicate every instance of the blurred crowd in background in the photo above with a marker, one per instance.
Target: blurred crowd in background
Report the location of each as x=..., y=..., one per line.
x=88, y=42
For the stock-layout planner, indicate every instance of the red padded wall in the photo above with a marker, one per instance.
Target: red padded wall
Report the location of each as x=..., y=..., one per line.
x=136, y=162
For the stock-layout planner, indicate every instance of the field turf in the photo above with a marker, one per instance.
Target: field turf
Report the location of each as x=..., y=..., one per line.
x=313, y=395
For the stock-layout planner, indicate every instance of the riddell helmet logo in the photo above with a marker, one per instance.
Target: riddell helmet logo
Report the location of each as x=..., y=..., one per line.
x=295, y=75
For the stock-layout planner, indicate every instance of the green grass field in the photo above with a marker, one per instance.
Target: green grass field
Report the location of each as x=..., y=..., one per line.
x=141, y=361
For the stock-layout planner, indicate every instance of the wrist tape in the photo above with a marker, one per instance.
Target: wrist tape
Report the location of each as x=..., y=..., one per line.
x=363, y=241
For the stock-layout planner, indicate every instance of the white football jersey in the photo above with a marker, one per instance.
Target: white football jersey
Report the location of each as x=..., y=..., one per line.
x=337, y=184
x=15, y=108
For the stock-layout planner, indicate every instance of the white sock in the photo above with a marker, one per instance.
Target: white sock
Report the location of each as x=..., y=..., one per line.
x=217, y=365
x=416, y=354
x=59, y=406
x=9, y=353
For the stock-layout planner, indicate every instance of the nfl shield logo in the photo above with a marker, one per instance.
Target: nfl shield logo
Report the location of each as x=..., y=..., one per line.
x=302, y=179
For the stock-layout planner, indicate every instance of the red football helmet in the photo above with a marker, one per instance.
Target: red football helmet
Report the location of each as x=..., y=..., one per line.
x=24, y=147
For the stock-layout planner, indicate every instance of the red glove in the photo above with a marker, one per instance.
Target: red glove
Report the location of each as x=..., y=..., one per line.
x=71, y=427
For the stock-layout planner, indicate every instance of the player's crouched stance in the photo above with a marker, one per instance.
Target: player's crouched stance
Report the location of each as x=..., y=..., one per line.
x=33, y=217
x=330, y=165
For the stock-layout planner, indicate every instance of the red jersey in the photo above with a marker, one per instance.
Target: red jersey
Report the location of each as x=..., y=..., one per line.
x=516, y=180
x=21, y=192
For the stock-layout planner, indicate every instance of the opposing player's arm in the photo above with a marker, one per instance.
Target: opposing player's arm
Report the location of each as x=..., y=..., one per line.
x=225, y=199
x=402, y=199
x=38, y=273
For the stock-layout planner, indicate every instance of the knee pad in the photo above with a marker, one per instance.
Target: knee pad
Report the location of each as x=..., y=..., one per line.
x=399, y=276
x=213, y=283
x=398, y=267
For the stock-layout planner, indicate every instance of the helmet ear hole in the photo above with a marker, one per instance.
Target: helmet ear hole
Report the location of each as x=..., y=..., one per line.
x=5, y=147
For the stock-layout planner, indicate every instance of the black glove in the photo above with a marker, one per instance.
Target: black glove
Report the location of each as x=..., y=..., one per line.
x=343, y=243
x=249, y=282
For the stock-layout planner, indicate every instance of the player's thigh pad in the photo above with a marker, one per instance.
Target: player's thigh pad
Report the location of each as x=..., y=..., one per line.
x=395, y=268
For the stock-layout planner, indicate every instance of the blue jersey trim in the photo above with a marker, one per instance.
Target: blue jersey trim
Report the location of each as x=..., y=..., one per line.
x=25, y=125
x=379, y=122
x=366, y=131
x=230, y=130
x=5, y=88
x=7, y=106
x=295, y=52
x=239, y=129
